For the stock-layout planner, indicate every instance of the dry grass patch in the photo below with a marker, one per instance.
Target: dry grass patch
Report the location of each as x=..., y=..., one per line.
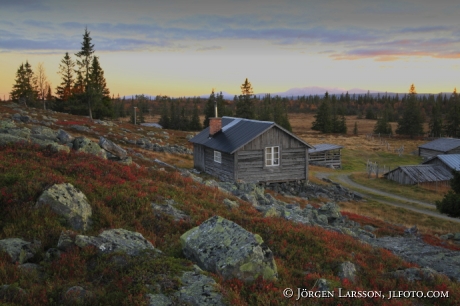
x=400, y=216
x=417, y=192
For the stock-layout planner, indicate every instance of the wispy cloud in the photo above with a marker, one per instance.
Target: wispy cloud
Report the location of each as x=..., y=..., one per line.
x=426, y=29
x=385, y=55
x=28, y=44
x=24, y=5
x=211, y=48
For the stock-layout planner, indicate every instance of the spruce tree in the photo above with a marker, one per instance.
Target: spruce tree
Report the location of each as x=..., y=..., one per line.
x=323, y=122
x=66, y=70
x=450, y=204
x=245, y=104
x=195, y=124
x=436, y=121
x=411, y=122
x=84, y=61
x=453, y=116
x=209, y=112
x=265, y=112
x=165, y=118
x=280, y=115
x=25, y=89
x=383, y=126
x=97, y=91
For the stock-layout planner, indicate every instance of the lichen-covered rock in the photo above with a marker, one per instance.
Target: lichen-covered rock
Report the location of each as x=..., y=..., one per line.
x=80, y=128
x=331, y=210
x=231, y=204
x=68, y=202
x=83, y=144
x=347, y=270
x=272, y=212
x=12, y=294
x=198, y=290
x=159, y=300
x=18, y=249
x=64, y=137
x=77, y=295
x=170, y=210
x=126, y=161
x=223, y=247
x=43, y=133
x=414, y=249
x=456, y=236
x=52, y=254
x=7, y=138
x=416, y=274
x=32, y=271
x=7, y=124
x=113, y=148
x=115, y=240
x=66, y=240
x=55, y=147
x=323, y=284
x=18, y=132
x=22, y=118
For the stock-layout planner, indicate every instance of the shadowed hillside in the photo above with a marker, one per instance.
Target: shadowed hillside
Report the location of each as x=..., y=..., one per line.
x=124, y=240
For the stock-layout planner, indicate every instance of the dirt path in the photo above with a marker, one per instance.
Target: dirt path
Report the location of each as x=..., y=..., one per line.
x=399, y=201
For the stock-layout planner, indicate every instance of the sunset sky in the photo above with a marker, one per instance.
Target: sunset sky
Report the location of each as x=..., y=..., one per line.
x=186, y=47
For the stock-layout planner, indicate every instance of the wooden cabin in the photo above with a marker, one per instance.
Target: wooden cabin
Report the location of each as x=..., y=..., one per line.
x=326, y=155
x=419, y=174
x=439, y=146
x=250, y=150
x=450, y=162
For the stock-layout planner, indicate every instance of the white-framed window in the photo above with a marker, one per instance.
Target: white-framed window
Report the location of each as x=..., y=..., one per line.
x=217, y=157
x=272, y=156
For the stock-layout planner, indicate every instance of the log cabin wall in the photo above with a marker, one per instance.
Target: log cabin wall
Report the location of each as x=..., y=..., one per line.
x=293, y=163
x=224, y=170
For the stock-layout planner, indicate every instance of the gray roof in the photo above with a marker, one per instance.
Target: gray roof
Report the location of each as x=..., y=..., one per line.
x=235, y=133
x=450, y=160
x=442, y=144
x=425, y=173
x=324, y=147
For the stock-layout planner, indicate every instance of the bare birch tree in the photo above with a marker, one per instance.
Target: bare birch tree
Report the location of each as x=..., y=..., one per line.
x=42, y=83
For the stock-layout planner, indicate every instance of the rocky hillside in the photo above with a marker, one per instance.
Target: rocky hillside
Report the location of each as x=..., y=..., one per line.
x=104, y=213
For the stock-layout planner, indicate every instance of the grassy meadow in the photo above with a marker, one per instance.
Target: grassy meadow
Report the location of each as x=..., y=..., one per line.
x=120, y=197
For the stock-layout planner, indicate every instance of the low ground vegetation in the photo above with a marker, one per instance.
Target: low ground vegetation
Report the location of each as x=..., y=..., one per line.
x=121, y=197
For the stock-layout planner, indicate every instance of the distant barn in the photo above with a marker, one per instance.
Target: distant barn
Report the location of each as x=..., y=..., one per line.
x=255, y=151
x=449, y=161
x=439, y=146
x=419, y=174
x=326, y=155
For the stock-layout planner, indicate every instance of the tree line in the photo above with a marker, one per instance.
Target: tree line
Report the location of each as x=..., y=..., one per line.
x=83, y=88
x=83, y=91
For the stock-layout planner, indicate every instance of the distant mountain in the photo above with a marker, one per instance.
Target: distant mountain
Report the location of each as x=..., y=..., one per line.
x=316, y=90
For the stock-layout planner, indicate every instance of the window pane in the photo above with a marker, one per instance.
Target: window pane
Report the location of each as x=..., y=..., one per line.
x=217, y=157
x=268, y=150
x=275, y=149
x=268, y=162
x=275, y=161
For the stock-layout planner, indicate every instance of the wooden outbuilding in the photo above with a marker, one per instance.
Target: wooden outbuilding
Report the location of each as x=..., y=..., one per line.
x=326, y=155
x=254, y=151
x=450, y=162
x=439, y=146
x=419, y=174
